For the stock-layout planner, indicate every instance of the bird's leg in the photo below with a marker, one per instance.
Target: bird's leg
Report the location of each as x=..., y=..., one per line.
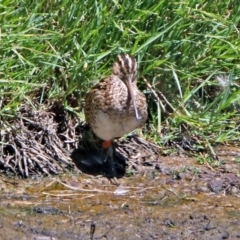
x=109, y=147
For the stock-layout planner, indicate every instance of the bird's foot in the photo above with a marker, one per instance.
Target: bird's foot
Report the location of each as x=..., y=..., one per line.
x=114, y=181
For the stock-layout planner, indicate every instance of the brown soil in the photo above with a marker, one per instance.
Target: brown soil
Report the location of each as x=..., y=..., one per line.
x=158, y=198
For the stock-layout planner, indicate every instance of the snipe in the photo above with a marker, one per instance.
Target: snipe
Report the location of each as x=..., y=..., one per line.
x=115, y=106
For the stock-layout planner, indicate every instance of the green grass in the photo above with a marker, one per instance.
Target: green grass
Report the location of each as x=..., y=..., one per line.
x=59, y=48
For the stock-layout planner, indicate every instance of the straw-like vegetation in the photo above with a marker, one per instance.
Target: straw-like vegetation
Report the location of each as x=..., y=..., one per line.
x=188, y=55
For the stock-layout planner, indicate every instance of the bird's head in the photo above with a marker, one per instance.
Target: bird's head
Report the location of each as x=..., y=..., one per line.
x=125, y=68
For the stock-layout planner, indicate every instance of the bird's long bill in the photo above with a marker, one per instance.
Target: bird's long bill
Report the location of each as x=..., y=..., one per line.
x=130, y=88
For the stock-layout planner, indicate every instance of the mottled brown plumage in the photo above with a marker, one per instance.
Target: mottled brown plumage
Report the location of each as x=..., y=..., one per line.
x=115, y=106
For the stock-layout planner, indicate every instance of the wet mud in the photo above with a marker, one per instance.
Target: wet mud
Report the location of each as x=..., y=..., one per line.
x=176, y=198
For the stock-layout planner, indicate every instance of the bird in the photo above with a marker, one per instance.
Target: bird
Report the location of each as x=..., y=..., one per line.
x=115, y=106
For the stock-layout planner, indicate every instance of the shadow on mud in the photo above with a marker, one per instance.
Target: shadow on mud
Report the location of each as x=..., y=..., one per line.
x=91, y=160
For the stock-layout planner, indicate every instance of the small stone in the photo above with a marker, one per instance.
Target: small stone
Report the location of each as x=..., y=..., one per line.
x=225, y=235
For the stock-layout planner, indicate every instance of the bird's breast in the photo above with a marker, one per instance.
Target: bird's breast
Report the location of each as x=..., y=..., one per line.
x=108, y=126
x=109, y=109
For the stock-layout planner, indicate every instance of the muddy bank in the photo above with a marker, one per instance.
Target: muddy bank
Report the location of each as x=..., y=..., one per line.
x=158, y=197
x=180, y=199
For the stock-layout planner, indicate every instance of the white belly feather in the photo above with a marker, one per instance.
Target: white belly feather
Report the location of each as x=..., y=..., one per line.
x=109, y=127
